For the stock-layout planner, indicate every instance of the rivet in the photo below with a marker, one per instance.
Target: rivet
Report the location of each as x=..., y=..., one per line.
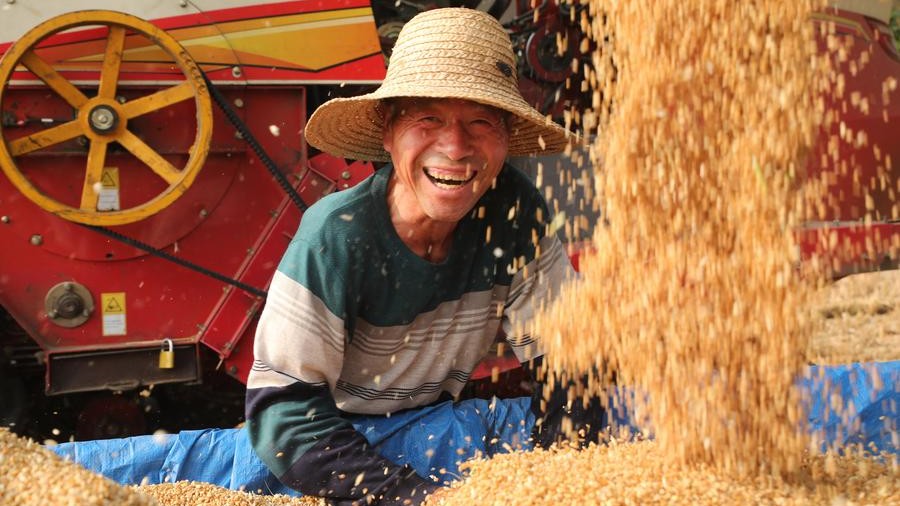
x=236, y=71
x=345, y=174
x=37, y=240
x=4, y=219
x=238, y=102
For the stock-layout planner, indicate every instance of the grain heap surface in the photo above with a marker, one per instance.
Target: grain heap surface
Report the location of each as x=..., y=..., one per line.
x=639, y=474
x=192, y=493
x=31, y=475
x=857, y=319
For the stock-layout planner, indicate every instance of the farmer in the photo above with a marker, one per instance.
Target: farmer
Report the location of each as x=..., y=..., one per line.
x=393, y=290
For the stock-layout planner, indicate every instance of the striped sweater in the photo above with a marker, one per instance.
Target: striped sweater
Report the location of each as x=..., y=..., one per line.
x=355, y=323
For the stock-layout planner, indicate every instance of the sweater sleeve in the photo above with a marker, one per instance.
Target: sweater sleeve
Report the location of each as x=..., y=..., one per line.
x=299, y=434
x=293, y=423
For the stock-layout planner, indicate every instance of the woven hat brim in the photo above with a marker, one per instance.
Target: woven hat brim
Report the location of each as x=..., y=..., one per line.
x=352, y=127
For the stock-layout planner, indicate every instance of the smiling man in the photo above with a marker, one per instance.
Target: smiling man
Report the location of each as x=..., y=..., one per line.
x=392, y=291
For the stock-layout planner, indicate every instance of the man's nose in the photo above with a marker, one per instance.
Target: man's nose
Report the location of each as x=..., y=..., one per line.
x=455, y=141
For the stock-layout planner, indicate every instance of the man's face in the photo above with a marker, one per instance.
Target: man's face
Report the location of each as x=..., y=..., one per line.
x=446, y=154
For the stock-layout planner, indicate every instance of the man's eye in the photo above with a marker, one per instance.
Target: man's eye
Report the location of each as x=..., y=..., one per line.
x=430, y=119
x=486, y=123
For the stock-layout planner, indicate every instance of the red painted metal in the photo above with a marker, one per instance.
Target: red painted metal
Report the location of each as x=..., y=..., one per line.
x=860, y=173
x=230, y=329
x=845, y=248
x=219, y=223
x=860, y=226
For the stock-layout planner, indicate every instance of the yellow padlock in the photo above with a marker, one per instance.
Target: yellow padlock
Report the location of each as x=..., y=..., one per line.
x=167, y=355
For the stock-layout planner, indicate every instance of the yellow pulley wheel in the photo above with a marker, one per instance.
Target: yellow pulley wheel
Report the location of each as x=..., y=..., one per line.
x=102, y=119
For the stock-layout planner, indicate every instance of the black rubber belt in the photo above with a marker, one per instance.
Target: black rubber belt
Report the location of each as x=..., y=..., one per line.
x=180, y=261
x=239, y=125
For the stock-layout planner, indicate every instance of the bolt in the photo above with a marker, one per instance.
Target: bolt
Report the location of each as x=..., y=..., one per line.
x=204, y=213
x=345, y=174
x=4, y=219
x=183, y=3
x=103, y=119
x=238, y=102
x=236, y=71
x=52, y=314
x=37, y=240
x=238, y=136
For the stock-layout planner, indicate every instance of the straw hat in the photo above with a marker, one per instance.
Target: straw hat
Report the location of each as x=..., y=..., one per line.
x=441, y=53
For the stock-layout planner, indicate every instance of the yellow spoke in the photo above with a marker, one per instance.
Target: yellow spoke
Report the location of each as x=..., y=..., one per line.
x=45, y=138
x=95, y=160
x=49, y=75
x=158, y=100
x=146, y=154
x=109, y=76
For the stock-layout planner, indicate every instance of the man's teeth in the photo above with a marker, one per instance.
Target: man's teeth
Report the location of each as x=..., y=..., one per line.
x=448, y=179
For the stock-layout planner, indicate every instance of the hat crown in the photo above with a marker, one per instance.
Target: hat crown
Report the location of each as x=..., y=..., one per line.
x=442, y=53
x=452, y=46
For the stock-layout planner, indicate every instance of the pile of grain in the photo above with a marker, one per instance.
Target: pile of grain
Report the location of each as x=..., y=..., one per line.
x=31, y=475
x=857, y=319
x=640, y=474
x=192, y=493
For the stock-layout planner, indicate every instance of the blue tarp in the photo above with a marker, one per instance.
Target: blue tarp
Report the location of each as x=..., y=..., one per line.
x=436, y=439
x=433, y=440
x=867, y=411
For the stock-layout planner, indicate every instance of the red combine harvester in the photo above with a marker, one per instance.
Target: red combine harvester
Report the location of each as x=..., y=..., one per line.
x=155, y=170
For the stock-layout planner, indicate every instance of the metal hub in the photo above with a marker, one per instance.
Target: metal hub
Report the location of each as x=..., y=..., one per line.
x=69, y=304
x=103, y=119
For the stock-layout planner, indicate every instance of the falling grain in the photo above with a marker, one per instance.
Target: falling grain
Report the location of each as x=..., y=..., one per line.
x=704, y=113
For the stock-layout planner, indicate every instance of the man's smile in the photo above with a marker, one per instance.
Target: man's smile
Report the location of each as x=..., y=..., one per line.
x=448, y=179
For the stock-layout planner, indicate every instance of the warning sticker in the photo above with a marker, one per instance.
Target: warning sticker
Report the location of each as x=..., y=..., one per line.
x=109, y=190
x=112, y=307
